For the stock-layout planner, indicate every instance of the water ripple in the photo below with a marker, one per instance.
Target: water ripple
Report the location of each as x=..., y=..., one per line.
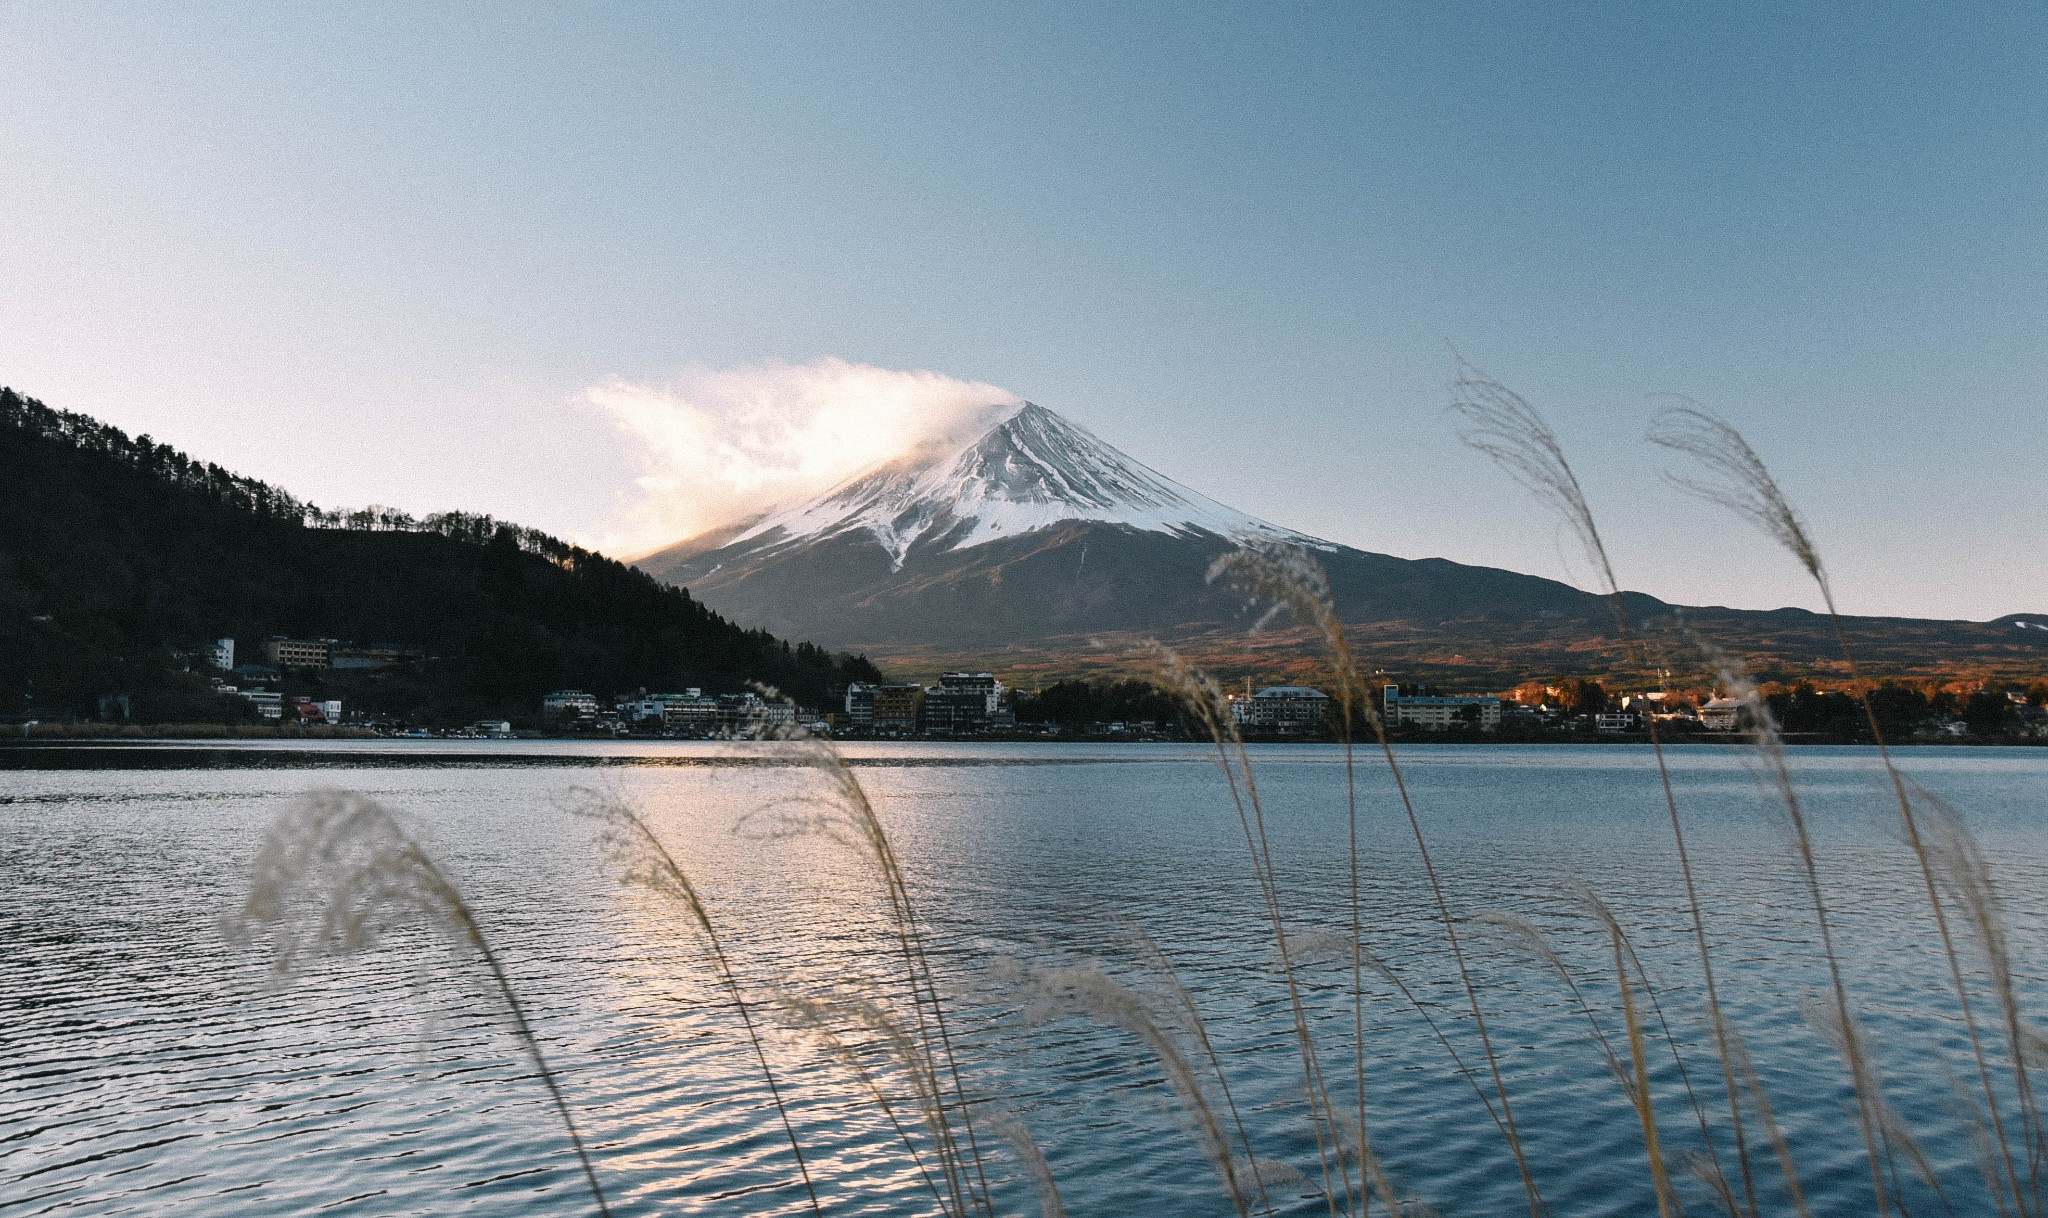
x=149, y=1066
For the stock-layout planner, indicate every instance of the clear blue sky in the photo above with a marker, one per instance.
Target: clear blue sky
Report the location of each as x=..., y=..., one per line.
x=379, y=255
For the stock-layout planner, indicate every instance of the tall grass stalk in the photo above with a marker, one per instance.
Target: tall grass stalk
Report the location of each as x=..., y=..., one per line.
x=1633, y=1077
x=1759, y=1099
x=1591, y=901
x=1205, y=700
x=1769, y=747
x=1464, y=1071
x=1028, y=1153
x=1523, y=934
x=824, y=1019
x=1087, y=988
x=845, y=814
x=1501, y=424
x=1305, y=950
x=1639, y=1070
x=1192, y=1024
x=644, y=860
x=337, y=872
x=1735, y=477
x=1965, y=872
x=1290, y=576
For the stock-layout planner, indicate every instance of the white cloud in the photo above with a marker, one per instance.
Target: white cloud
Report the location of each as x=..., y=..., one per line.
x=719, y=445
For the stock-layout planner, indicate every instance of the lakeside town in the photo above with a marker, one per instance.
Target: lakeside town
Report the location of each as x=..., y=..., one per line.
x=979, y=704
x=1025, y=610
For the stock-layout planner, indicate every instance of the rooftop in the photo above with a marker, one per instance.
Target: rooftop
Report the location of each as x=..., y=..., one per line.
x=1290, y=691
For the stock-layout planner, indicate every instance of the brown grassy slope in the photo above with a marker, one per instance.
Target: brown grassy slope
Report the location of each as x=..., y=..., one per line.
x=1082, y=598
x=1780, y=645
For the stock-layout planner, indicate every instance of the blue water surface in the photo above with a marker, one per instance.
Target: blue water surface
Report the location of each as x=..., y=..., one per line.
x=149, y=1065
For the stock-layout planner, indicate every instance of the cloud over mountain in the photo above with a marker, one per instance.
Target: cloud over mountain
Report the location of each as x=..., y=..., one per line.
x=721, y=444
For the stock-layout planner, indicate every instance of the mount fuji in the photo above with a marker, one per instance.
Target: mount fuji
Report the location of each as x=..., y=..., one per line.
x=1034, y=546
x=1029, y=471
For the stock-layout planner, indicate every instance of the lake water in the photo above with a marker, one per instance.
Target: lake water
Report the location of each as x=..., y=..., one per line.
x=147, y=1065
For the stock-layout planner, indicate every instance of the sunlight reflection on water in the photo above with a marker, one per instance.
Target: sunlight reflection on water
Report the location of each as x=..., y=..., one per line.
x=149, y=1066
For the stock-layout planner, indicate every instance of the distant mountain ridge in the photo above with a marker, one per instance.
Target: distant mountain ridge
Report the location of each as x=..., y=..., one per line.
x=1034, y=544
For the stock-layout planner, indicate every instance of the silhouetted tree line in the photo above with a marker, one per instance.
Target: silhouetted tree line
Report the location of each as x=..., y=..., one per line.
x=1074, y=705
x=166, y=464
x=121, y=558
x=1901, y=708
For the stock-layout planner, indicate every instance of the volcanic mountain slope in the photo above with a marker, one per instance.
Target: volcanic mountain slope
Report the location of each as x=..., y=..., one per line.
x=1036, y=547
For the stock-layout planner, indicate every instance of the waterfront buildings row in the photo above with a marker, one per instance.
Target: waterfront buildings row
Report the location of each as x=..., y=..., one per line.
x=272, y=706
x=1297, y=709
x=692, y=711
x=962, y=702
x=1293, y=709
x=252, y=683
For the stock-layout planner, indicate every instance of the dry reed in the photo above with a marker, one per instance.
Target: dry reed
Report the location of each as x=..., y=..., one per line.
x=642, y=859
x=1768, y=746
x=1086, y=988
x=1028, y=1153
x=1735, y=477
x=1501, y=424
x=337, y=872
x=1291, y=578
x=1207, y=703
x=843, y=814
x=1966, y=875
x=1637, y=1078
x=1189, y=1016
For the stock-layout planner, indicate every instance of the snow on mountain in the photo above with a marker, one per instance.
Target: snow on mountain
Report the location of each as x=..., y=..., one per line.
x=1031, y=469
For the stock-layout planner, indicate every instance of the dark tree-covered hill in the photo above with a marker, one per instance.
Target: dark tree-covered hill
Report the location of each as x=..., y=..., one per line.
x=119, y=555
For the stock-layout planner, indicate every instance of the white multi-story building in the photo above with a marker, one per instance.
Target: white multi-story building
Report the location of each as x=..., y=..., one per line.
x=1722, y=714
x=1282, y=708
x=224, y=654
x=962, y=702
x=692, y=710
x=268, y=703
x=1438, y=713
x=665, y=710
x=569, y=704
x=774, y=716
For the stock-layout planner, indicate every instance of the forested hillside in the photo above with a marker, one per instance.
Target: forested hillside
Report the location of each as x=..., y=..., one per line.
x=119, y=555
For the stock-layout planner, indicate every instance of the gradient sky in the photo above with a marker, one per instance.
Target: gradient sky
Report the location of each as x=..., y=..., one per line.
x=383, y=255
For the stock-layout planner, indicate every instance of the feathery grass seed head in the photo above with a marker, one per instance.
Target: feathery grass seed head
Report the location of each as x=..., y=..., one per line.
x=1735, y=477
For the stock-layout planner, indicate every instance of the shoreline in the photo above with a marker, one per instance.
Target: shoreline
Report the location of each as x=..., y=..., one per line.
x=33, y=733
x=203, y=735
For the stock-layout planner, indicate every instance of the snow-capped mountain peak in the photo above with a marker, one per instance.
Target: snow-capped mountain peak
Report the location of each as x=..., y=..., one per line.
x=1030, y=469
